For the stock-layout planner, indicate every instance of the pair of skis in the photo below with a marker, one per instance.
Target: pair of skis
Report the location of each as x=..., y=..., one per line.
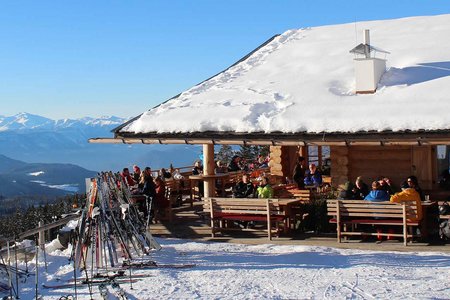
x=120, y=274
x=118, y=291
x=102, y=286
x=148, y=264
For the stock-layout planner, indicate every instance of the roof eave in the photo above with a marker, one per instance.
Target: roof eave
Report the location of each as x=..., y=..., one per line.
x=421, y=137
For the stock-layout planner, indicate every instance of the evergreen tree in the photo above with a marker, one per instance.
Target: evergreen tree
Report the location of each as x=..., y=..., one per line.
x=225, y=154
x=247, y=152
x=21, y=220
x=264, y=150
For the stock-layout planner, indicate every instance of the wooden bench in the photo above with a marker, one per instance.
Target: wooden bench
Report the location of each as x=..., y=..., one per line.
x=359, y=212
x=176, y=189
x=243, y=209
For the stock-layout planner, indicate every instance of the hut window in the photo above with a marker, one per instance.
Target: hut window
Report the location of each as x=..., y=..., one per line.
x=443, y=159
x=319, y=155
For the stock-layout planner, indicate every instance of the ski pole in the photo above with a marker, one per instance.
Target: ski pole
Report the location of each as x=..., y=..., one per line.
x=26, y=260
x=9, y=271
x=37, y=272
x=131, y=282
x=17, y=269
x=92, y=253
x=45, y=257
x=74, y=269
x=86, y=273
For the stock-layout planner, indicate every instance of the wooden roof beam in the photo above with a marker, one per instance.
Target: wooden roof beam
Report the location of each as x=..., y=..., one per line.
x=273, y=142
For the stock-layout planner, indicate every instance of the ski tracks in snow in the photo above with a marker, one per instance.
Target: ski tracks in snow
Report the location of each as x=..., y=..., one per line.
x=337, y=290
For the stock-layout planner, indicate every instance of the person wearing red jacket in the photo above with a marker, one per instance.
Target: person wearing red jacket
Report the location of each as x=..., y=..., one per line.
x=127, y=177
x=160, y=200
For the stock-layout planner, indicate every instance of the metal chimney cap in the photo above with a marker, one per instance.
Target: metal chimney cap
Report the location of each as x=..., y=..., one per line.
x=361, y=47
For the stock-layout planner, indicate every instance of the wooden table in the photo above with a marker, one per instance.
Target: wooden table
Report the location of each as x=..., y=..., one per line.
x=286, y=206
x=195, y=179
x=429, y=226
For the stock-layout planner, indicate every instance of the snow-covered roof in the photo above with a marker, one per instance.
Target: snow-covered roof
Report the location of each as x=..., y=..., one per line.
x=303, y=81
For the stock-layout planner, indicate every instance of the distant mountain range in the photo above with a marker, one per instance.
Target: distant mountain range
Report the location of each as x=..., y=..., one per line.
x=29, y=122
x=32, y=138
x=18, y=178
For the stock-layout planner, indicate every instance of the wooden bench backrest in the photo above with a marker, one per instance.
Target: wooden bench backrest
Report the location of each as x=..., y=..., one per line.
x=292, y=191
x=241, y=205
x=304, y=195
x=361, y=209
x=234, y=177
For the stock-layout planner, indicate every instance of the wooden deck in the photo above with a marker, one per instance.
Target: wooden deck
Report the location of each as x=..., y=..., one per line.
x=188, y=223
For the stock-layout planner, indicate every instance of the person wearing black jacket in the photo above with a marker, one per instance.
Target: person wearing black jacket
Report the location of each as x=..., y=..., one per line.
x=244, y=188
x=234, y=164
x=147, y=183
x=148, y=189
x=360, y=190
x=299, y=172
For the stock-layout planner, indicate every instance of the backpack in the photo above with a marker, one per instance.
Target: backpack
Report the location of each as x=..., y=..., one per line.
x=444, y=230
x=444, y=209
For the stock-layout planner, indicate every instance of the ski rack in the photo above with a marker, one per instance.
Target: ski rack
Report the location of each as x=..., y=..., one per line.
x=110, y=227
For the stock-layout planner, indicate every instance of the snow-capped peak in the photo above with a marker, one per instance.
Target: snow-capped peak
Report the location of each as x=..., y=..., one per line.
x=26, y=121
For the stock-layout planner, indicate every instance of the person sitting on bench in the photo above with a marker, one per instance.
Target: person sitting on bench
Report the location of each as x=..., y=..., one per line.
x=264, y=190
x=410, y=194
x=377, y=194
x=244, y=188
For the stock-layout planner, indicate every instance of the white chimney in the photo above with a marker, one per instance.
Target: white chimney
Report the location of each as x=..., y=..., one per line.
x=368, y=69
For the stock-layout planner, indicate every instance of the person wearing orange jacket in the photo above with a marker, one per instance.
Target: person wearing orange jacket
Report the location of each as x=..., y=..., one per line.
x=410, y=194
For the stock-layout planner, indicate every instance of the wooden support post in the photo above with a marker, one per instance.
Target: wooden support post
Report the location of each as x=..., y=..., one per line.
x=338, y=220
x=269, y=225
x=319, y=156
x=41, y=240
x=405, y=225
x=208, y=169
x=211, y=207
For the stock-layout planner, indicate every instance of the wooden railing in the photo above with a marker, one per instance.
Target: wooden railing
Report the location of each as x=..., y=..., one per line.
x=44, y=227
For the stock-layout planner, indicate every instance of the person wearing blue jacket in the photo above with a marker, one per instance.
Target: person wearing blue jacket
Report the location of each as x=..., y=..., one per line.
x=313, y=176
x=377, y=194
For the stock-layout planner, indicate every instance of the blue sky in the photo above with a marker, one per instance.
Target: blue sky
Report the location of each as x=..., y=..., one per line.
x=69, y=59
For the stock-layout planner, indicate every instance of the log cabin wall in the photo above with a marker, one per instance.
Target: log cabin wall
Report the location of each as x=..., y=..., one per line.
x=424, y=165
x=394, y=162
x=370, y=162
x=282, y=162
x=276, y=169
x=289, y=156
x=339, y=165
x=347, y=163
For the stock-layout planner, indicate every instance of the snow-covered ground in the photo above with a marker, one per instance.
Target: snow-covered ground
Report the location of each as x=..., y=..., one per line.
x=235, y=271
x=65, y=187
